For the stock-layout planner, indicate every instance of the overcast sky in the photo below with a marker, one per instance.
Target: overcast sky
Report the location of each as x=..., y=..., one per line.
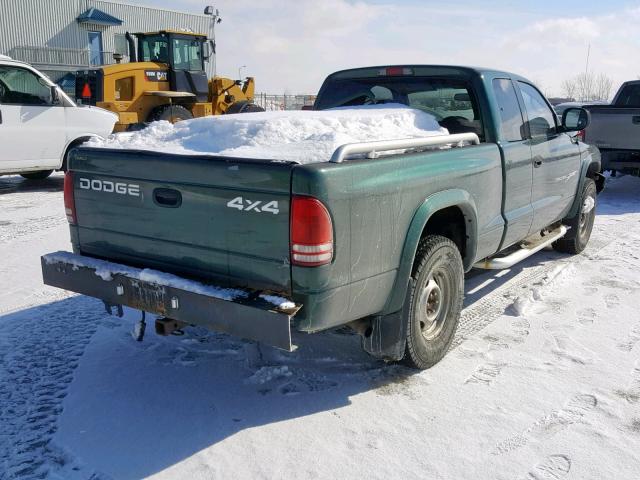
x=293, y=44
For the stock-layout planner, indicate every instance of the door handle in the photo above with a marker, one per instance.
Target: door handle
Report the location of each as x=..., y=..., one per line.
x=0, y=116
x=167, y=197
x=635, y=119
x=537, y=162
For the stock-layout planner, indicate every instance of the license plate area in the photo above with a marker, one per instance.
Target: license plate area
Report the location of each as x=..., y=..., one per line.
x=146, y=296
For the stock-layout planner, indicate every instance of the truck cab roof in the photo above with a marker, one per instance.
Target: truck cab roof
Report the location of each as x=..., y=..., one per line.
x=423, y=69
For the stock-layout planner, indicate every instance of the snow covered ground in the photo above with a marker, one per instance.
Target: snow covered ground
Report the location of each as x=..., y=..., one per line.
x=543, y=383
x=299, y=136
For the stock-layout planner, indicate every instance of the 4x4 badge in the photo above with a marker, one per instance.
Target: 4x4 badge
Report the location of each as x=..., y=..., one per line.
x=246, y=205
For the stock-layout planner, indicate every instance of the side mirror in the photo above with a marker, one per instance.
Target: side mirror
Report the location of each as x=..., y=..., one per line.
x=208, y=49
x=55, y=95
x=575, y=119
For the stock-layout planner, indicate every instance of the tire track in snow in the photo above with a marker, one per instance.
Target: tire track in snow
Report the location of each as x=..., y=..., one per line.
x=37, y=361
x=493, y=305
x=29, y=226
x=632, y=393
x=554, y=467
x=573, y=412
x=632, y=339
x=488, y=371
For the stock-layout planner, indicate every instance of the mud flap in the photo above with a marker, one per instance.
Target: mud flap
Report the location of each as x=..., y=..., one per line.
x=388, y=338
x=599, y=179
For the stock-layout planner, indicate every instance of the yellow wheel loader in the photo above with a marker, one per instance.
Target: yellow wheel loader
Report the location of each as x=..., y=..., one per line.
x=165, y=80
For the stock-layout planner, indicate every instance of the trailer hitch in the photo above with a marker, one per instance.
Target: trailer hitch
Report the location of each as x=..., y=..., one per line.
x=169, y=326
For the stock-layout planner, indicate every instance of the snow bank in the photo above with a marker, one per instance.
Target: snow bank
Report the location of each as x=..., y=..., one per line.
x=300, y=136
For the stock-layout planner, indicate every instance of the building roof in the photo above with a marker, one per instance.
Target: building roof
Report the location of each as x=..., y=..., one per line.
x=95, y=16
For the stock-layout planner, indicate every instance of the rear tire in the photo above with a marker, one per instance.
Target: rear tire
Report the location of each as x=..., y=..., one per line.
x=581, y=225
x=40, y=175
x=244, y=107
x=169, y=113
x=434, y=303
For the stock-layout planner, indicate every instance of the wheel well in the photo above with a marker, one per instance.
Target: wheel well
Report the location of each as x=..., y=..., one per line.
x=448, y=222
x=593, y=172
x=160, y=109
x=75, y=143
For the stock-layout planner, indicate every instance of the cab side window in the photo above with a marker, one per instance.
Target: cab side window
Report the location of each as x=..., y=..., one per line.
x=20, y=86
x=512, y=124
x=542, y=120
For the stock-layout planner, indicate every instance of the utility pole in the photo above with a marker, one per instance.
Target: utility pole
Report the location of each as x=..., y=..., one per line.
x=586, y=68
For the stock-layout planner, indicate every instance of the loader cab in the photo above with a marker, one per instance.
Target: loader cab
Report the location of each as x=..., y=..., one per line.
x=183, y=53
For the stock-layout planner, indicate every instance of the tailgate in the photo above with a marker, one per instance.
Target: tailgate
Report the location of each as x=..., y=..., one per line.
x=214, y=218
x=614, y=128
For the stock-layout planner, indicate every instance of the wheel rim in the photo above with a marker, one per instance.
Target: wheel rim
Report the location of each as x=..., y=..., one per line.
x=586, y=212
x=431, y=307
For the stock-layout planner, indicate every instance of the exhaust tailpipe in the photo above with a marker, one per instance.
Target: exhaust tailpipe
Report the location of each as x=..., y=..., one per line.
x=132, y=47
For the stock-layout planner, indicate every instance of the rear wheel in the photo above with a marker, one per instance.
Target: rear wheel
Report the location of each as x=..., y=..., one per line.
x=244, y=107
x=581, y=225
x=40, y=175
x=435, y=301
x=169, y=113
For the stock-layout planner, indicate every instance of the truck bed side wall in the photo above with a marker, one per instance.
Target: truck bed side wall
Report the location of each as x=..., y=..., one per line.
x=376, y=210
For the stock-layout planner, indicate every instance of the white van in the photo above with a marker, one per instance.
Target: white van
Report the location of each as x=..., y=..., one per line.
x=39, y=123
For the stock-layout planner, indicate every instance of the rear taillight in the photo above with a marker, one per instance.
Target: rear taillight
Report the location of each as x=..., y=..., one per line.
x=69, y=202
x=580, y=135
x=86, y=91
x=311, y=232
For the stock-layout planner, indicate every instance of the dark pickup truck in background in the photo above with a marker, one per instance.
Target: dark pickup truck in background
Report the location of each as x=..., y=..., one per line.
x=615, y=130
x=378, y=242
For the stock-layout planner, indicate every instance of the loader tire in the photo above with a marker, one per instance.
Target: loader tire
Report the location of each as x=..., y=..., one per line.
x=580, y=226
x=434, y=302
x=244, y=107
x=169, y=113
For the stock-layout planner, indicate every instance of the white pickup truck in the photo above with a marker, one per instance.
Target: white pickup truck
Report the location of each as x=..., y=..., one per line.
x=615, y=130
x=39, y=123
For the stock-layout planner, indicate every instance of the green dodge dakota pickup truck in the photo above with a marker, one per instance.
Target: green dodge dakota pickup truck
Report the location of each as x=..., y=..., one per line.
x=378, y=238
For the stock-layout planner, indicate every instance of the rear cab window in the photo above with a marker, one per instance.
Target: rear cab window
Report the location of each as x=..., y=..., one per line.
x=629, y=96
x=451, y=101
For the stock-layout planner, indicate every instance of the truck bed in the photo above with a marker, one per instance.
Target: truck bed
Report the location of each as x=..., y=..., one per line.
x=614, y=128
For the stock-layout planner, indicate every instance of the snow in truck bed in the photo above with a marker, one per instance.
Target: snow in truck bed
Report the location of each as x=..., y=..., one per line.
x=300, y=136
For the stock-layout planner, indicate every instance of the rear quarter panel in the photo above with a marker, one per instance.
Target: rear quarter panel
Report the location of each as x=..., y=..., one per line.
x=373, y=204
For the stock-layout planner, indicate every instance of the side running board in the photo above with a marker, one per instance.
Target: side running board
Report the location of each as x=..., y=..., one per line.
x=498, y=263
